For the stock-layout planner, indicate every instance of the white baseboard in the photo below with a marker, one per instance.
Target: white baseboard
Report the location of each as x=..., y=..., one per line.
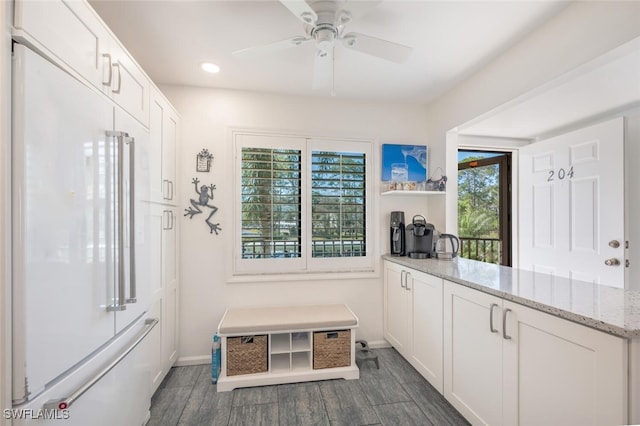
x=193, y=360
x=379, y=344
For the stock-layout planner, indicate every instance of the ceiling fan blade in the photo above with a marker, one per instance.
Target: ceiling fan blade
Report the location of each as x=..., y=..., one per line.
x=273, y=47
x=302, y=10
x=323, y=70
x=384, y=49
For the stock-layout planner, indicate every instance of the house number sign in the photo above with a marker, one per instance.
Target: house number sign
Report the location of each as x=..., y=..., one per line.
x=560, y=174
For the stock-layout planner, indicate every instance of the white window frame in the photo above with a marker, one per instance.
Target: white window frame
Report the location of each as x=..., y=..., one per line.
x=306, y=264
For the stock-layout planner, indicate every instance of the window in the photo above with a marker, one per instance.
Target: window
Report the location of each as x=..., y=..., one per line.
x=302, y=205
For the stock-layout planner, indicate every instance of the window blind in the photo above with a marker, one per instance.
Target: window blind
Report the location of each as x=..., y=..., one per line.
x=338, y=198
x=271, y=203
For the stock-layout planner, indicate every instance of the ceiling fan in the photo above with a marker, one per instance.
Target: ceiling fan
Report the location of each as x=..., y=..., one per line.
x=324, y=22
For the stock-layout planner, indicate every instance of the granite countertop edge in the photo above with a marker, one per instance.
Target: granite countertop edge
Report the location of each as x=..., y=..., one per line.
x=628, y=332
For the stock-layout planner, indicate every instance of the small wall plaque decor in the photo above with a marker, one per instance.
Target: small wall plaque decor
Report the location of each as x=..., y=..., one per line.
x=203, y=161
x=205, y=194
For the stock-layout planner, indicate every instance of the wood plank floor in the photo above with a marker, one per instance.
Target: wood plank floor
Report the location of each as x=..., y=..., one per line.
x=396, y=394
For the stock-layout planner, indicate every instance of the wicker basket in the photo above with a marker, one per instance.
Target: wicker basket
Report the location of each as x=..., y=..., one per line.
x=246, y=355
x=331, y=349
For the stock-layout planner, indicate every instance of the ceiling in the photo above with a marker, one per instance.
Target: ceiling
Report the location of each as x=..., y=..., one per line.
x=450, y=41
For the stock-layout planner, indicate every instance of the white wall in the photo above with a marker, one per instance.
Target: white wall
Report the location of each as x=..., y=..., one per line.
x=206, y=261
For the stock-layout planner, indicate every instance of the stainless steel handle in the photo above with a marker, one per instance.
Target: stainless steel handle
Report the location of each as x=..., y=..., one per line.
x=133, y=285
x=117, y=91
x=167, y=190
x=166, y=216
x=504, y=324
x=66, y=402
x=614, y=243
x=120, y=305
x=612, y=262
x=406, y=281
x=402, y=279
x=173, y=219
x=108, y=82
x=493, y=305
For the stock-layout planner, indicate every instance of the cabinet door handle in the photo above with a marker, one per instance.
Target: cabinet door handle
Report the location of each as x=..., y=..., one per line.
x=108, y=82
x=504, y=324
x=493, y=305
x=117, y=91
x=402, y=279
x=406, y=281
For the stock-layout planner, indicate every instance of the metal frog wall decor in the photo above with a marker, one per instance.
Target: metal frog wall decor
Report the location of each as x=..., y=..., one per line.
x=205, y=194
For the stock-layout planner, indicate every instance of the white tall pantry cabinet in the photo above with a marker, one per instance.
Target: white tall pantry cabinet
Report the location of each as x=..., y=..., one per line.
x=74, y=36
x=164, y=133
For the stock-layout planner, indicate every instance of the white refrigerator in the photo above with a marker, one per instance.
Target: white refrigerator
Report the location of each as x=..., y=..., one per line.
x=80, y=249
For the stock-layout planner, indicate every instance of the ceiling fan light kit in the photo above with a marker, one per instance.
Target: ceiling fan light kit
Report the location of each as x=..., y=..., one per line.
x=324, y=23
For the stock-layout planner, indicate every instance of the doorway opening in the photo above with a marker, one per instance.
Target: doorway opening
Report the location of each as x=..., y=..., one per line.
x=484, y=206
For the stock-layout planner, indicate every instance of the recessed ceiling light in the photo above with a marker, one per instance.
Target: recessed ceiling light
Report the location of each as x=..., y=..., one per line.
x=209, y=67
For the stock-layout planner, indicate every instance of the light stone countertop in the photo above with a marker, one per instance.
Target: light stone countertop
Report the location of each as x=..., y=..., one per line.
x=613, y=310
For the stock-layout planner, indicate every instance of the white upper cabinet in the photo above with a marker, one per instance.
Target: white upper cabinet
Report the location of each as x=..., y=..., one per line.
x=70, y=33
x=163, y=128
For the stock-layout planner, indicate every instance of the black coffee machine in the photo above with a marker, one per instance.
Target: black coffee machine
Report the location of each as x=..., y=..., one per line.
x=420, y=238
x=397, y=234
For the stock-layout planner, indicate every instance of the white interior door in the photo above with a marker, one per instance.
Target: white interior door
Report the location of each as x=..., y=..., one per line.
x=572, y=205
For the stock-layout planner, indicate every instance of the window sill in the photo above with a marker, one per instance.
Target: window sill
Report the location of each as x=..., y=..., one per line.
x=310, y=276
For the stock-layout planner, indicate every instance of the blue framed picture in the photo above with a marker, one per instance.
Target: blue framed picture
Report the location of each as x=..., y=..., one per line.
x=404, y=163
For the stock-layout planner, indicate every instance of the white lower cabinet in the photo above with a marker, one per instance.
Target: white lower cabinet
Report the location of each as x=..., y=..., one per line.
x=165, y=293
x=413, y=319
x=396, y=308
x=473, y=354
x=508, y=364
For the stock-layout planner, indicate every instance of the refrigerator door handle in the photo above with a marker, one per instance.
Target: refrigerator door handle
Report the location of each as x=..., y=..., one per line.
x=132, y=219
x=120, y=304
x=66, y=402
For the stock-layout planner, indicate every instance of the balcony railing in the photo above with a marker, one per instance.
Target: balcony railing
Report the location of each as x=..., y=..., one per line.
x=271, y=249
x=483, y=249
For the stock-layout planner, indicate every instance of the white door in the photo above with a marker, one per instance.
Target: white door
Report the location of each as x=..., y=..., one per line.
x=572, y=205
x=396, y=315
x=426, y=355
x=557, y=372
x=473, y=353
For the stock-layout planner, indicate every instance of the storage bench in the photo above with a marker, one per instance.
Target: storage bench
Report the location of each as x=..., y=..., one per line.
x=266, y=346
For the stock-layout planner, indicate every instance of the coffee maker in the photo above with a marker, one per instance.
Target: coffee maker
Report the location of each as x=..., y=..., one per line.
x=397, y=234
x=420, y=238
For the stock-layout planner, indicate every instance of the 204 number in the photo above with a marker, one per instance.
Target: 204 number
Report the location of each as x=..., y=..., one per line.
x=560, y=174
